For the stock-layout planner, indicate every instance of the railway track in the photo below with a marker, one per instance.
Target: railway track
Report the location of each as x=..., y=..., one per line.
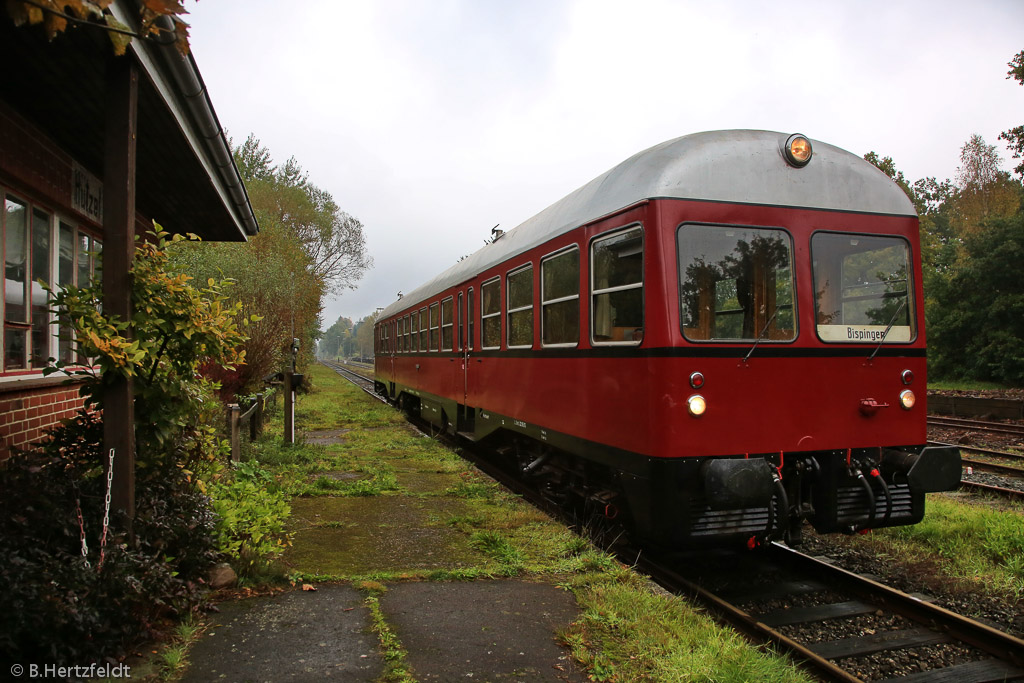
x=977, y=425
x=841, y=626
x=793, y=610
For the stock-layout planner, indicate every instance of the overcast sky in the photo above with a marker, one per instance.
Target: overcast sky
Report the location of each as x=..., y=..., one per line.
x=432, y=121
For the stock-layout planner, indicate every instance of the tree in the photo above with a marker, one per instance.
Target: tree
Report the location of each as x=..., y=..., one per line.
x=977, y=333
x=983, y=190
x=306, y=248
x=55, y=16
x=1015, y=136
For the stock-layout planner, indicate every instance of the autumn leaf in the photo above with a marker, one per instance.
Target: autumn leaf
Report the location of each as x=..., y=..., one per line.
x=308, y=587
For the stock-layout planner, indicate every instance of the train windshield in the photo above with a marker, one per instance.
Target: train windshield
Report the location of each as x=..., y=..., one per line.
x=736, y=284
x=861, y=288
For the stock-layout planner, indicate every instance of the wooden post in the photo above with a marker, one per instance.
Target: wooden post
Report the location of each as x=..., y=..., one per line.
x=234, y=410
x=122, y=94
x=256, y=421
x=289, y=409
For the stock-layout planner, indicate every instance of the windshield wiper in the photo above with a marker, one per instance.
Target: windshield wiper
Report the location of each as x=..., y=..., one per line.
x=760, y=336
x=887, y=328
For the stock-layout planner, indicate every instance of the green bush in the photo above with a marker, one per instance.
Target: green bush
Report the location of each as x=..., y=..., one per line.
x=251, y=510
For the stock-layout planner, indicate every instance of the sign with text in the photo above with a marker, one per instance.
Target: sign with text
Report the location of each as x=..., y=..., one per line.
x=86, y=193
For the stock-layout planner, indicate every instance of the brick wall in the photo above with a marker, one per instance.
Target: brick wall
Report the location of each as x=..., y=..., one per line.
x=25, y=415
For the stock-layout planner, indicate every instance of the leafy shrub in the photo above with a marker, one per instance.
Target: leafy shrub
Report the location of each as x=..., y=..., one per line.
x=251, y=510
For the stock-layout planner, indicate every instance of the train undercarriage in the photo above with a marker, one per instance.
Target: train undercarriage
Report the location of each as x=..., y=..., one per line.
x=704, y=501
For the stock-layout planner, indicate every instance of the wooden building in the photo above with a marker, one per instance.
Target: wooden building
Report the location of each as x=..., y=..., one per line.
x=93, y=148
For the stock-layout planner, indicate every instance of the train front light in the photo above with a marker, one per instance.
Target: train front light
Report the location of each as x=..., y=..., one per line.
x=696, y=405
x=907, y=399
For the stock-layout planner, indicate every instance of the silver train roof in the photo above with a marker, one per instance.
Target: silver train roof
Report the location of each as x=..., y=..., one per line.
x=739, y=166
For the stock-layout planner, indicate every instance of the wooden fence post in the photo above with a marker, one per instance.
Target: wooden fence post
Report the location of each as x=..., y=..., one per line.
x=236, y=446
x=256, y=421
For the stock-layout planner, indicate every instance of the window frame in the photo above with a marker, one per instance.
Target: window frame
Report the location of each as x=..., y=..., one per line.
x=424, y=331
x=469, y=318
x=911, y=294
x=794, y=305
x=594, y=293
x=544, y=302
x=509, y=311
x=434, y=340
x=450, y=325
x=484, y=317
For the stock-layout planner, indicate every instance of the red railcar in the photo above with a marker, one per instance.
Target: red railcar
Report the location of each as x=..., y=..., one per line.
x=718, y=339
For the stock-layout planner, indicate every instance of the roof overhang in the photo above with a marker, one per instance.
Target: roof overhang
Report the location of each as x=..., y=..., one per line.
x=186, y=177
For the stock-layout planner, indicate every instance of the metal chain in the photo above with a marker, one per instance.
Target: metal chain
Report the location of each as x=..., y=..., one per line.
x=81, y=529
x=106, y=510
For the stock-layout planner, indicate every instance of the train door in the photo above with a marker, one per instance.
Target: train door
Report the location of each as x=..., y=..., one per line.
x=467, y=413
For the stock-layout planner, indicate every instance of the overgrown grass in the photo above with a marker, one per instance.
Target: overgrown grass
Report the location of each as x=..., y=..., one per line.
x=980, y=545
x=626, y=631
x=964, y=385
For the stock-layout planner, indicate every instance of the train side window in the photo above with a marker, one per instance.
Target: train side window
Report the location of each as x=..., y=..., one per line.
x=406, y=344
x=519, y=290
x=862, y=288
x=736, y=283
x=617, y=288
x=560, y=299
x=433, y=327
x=446, y=324
x=490, y=314
x=414, y=332
x=423, y=330
x=469, y=318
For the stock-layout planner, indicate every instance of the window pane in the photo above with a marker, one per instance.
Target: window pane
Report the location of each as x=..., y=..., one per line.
x=446, y=325
x=736, y=283
x=491, y=315
x=15, y=263
x=14, y=349
x=520, y=328
x=423, y=329
x=41, y=332
x=561, y=275
x=619, y=260
x=617, y=287
x=66, y=255
x=84, y=259
x=520, y=289
x=562, y=322
x=861, y=286
x=433, y=327
x=491, y=303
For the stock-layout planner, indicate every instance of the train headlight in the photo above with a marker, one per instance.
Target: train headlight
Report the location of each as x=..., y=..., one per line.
x=797, y=150
x=907, y=399
x=696, y=405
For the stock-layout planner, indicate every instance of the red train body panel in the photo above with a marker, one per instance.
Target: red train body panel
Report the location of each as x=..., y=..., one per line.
x=712, y=339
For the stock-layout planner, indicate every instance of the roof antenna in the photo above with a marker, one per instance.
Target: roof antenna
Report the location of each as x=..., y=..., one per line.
x=496, y=234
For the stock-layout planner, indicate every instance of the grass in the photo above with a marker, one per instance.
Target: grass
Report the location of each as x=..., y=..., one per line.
x=979, y=545
x=626, y=630
x=964, y=385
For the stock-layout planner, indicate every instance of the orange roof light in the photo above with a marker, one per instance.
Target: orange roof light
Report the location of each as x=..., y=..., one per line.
x=798, y=150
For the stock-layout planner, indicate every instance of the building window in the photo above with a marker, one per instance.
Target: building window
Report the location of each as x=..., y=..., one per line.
x=617, y=288
x=490, y=314
x=520, y=308
x=560, y=298
x=39, y=249
x=446, y=324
